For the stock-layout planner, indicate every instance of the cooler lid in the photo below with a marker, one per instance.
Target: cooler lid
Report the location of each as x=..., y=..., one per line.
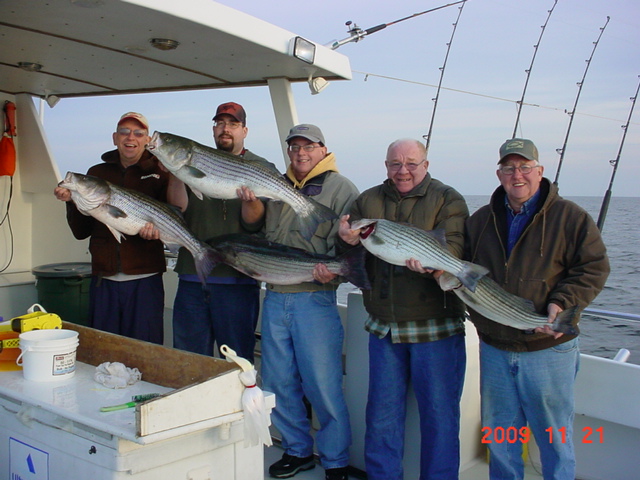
x=70, y=269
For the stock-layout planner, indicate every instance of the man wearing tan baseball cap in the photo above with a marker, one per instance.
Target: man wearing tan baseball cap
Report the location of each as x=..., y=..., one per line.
x=126, y=294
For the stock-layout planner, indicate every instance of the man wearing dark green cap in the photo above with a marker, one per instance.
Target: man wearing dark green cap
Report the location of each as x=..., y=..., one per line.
x=546, y=249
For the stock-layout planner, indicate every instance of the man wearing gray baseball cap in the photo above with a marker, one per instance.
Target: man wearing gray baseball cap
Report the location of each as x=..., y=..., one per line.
x=302, y=332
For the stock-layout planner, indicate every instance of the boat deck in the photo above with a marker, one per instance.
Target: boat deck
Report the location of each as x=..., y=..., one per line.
x=477, y=472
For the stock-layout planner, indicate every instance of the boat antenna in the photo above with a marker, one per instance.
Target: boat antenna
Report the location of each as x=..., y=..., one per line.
x=528, y=71
x=562, y=150
x=427, y=137
x=356, y=33
x=607, y=196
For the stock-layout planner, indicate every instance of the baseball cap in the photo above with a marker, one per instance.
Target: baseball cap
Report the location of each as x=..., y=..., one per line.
x=135, y=116
x=519, y=146
x=308, y=131
x=233, y=109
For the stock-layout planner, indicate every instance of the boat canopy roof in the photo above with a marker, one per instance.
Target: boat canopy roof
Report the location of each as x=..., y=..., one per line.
x=75, y=48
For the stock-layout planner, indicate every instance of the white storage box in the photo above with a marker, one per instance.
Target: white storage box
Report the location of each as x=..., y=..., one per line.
x=193, y=431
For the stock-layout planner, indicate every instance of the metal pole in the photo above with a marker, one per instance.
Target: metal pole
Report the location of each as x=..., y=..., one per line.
x=535, y=51
x=615, y=163
x=427, y=137
x=563, y=150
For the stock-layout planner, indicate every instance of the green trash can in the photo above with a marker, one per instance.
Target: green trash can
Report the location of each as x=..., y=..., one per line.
x=63, y=288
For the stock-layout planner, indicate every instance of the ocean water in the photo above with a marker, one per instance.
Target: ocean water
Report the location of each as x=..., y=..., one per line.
x=604, y=336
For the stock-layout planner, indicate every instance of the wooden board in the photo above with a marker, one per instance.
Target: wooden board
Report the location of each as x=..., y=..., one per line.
x=206, y=387
x=164, y=366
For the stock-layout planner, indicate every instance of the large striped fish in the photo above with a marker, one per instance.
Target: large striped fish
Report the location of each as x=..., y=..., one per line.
x=219, y=174
x=283, y=265
x=396, y=243
x=495, y=303
x=126, y=211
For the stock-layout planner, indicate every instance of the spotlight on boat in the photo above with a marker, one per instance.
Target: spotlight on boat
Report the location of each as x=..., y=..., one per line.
x=303, y=49
x=316, y=85
x=52, y=100
x=164, y=43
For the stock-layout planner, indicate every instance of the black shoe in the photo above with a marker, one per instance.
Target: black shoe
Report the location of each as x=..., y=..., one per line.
x=336, y=474
x=289, y=465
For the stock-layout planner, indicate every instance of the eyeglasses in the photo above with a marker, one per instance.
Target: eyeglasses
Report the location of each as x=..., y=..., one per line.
x=307, y=148
x=524, y=169
x=125, y=132
x=229, y=125
x=411, y=166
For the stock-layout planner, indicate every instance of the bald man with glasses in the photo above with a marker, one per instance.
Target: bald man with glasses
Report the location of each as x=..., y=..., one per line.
x=416, y=330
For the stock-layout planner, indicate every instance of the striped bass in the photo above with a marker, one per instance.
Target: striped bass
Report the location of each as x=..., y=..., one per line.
x=396, y=243
x=219, y=174
x=282, y=265
x=126, y=211
x=495, y=303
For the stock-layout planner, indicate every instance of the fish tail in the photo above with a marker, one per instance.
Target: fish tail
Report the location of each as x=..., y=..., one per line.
x=564, y=321
x=355, y=267
x=308, y=224
x=470, y=275
x=205, y=259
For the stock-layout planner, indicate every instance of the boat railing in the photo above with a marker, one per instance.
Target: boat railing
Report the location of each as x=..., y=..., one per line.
x=612, y=314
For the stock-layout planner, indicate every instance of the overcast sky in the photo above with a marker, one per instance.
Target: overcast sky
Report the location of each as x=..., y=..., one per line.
x=395, y=74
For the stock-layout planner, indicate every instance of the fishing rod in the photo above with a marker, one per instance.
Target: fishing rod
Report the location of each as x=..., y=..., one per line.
x=427, y=137
x=535, y=51
x=356, y=33
x=562, y=150
x=607, y=196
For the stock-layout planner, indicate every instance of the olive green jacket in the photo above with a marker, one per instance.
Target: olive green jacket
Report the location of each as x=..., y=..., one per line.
x=399, y=294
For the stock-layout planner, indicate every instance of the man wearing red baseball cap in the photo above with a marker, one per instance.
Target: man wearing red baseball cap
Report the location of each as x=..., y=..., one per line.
x=226, y=311
x=126, y=294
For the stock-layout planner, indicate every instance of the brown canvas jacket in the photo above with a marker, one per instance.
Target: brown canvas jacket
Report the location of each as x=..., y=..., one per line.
x=560, y=258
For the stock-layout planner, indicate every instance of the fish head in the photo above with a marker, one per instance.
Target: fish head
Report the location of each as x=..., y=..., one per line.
x=87, y=191
x=448, y=281
x=366, y=227
x=173, y=151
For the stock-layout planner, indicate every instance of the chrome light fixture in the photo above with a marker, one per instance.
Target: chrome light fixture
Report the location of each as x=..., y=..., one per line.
x=164, y=43
x=303, y=49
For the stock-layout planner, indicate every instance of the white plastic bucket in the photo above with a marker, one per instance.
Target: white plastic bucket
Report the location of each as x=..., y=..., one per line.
x=48, y=355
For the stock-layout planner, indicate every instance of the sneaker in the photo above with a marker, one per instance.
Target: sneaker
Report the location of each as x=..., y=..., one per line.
x=289, y=465
x=336, y=474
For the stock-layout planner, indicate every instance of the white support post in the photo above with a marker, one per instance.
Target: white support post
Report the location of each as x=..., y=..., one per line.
x=284, y=109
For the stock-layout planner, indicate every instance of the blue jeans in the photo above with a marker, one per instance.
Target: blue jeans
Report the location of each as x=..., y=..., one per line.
x=436, y=372
x=222, y=313
x=134, y=308
x=302, y=339
x=534, y=387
